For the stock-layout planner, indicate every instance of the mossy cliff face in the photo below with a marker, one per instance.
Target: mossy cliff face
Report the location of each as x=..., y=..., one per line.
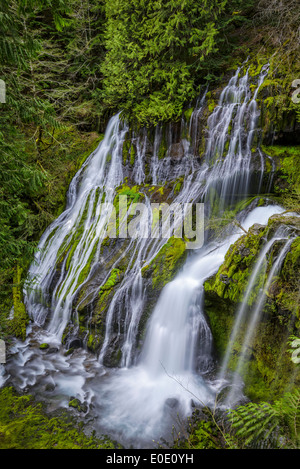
x=286, y=177
x=24, y=424
x=280, y=113
x=279, y=119
x=17, y=326
x=161, y=270
x=269, y=369
x=101, y=278
x=94, y=298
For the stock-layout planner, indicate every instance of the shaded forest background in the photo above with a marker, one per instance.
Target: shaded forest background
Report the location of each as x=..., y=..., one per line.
x=69, y=65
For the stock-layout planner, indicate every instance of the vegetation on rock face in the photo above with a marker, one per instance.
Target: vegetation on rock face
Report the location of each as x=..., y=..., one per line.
x=24, y=425
x=166, y=263
x=263, y=425
x=287, y=180
x=231, y=278
x=67, y=66
x=157, y=53
x=269, y=369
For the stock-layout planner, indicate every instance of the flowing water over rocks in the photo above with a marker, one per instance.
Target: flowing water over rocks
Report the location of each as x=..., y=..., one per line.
x=167, y=369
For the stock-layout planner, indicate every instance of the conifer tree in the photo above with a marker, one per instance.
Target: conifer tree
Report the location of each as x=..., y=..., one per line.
x=159, y=52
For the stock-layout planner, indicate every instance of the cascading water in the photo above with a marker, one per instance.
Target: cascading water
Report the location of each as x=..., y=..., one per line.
x=143, y=401
x=255, y=317
x=232, y=128
x=138, y=401
x=78, y=231
x=258, y=271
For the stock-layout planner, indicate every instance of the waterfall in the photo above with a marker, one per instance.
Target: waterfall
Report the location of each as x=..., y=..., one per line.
x=232, y=128
x=77, y=232
x=169, y=378
x=137, y=401
x=259, y=270
x=178, y=317
x=254, y=320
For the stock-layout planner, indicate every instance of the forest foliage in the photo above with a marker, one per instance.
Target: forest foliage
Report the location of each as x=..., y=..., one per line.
x=159, y=53
x=68, y=66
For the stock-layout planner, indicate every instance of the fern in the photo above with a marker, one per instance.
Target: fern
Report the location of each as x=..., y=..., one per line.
x=295, y=350
x=268, y=425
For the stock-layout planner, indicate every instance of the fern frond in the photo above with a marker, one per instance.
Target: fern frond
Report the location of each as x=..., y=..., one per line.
x=268, y=424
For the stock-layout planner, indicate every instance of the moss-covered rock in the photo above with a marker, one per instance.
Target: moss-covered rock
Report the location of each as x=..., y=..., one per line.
x=44, y=346
x=24, y=424
x=20, y=321
x=231, y=279
x=268, y=370
x=286, y=176
x=78, y=405
x=166, y=263
x=161, y=270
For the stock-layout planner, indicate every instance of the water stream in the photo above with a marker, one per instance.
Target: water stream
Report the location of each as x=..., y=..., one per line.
x=139, y=401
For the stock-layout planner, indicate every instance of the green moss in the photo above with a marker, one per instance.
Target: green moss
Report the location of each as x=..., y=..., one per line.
x=86, y=269
x=162, y=147
x=78, y=405
x=287, y=293
x=178, y=186
x=211, y=105
x=132, y=155
x=20, y=319
x=24, y=425
x=44, y=346
x=96, y=200
x=133, y=194
x=125, y=150
x=188, y=114
x=94, y=341
x=267, y=374
x=105, y=294
x=287, y=160
x=114, y=278
x=163, y=267
x=278, y=111
x=220, y=315
x=233, y=275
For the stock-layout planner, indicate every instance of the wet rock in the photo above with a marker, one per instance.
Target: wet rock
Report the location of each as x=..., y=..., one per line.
x=50, y=387
x=243, y=251
x=77, y=404
x=256, y=228
x=172, y=402
x=225, y=279
x=44, y=346
x=75, y=343
x=68, y=352
x=53, y=350
x=176, y=151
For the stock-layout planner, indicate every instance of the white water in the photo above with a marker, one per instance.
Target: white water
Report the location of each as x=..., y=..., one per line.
x=254, y=320
x=259, y=269
x=168, y=378
x=232, y=128
x=138, y=402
